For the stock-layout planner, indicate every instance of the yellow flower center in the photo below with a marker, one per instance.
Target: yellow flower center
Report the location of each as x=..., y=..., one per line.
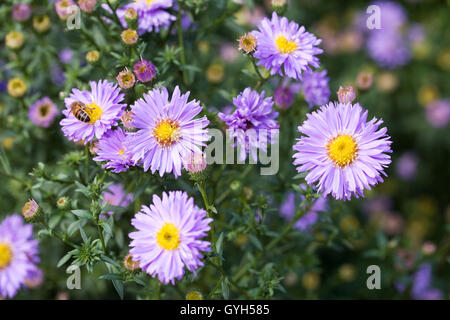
x=121, y=152
x=342, y=150
x=147, y=2
x=284, y=45
x=168, y=237
x=6, y=255
x=94, y=112
x=166, y=132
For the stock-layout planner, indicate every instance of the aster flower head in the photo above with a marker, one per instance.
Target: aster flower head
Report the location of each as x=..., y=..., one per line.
x=253, y=123
x=21, y=12
x=126, y=118
x=247, y=43
x=315, y=88
x=392, y=15
x=130, y=264
x=92, y=56
x=65, y=55
x=115, y=195
x=16, y=87
x=113, y=149
x=286, y=48
x=151, y=14
x=64, y=8
x=34, y=278
x=194, y=162
x=129, y=36
x=14, y=39
x=144, y=70
x=41, y=23
x=30, y=210
x=168, y=236
x=87, y=5
x=43, y=112
x=102, y=104
x=284, y=97
x=18, y=254
x=342, y=152
x=173, y=130
x=126, y=79
x=406, y=165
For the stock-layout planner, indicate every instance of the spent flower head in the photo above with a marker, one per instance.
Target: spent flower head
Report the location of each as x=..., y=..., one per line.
x=129, y=36
x=126, y=79
x=247, y=43
x=346, y=94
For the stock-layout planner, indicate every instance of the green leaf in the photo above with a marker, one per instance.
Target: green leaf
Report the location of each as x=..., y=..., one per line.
x=109, y=260
x=111, y=276
x=225, y=289
x=83, y=214
x=219, y=247
x=64, y=259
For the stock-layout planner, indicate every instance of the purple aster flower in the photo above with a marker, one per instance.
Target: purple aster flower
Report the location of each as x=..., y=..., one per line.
x=341, y=151
x=144, y=71
x=115, y=195
x=18, y=254
x=113, y=149
x=284, y=97
x=315, y=88
x=406, y=165
x=34, y=278
x=438, y=113
x=389, y=49
x=253, y=123
x=392, y=15
x=57, y=75
x=416, y=33
x=287, y=210
x=151, y=14
x=284, y=44
x=103, y=106
x=21, y=12
x=168, y=130
x=169, y=236
x=65, y=55
x=64, y=8
x=43, y=112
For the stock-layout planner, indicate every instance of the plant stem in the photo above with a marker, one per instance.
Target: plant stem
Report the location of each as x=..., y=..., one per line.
x=201, y=187
x=8, y=175
x=102, y=240
x=262, y=80
x=116, y=18
x=181, y=44
x=57, y=236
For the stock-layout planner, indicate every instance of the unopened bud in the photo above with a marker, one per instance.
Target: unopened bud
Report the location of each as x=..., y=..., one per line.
x=31, y=210
x=346, y=94
x=130, y=264
x=194, y=295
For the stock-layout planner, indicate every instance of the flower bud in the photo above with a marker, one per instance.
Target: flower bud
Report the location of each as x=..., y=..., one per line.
x=130, y=264
x=311, y=280
x=127, y=118
x=144, y=70
x=65, y=8
x=131, y=18
x=247, y=43
x=63, y=203
x=215, y=73
x=126, y=79
x=194, y=162
x=279, y=6
x=347, y=272
x=129, y=36
x=31, y=210
x=16, y=87
x=87, y=5
x=14, y=39
x=364, y=80
x=92, y=56
x=41, y=24
x=346, y=94
x=194, y=295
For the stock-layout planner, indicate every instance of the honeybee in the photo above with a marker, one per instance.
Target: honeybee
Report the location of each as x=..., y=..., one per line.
x=78, y=109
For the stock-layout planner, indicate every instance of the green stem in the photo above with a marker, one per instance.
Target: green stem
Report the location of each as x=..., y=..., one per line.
x=100, y=234
x=86, y=165
x=8, y=175
x=201, y=187
x=261, y=80
x=57, y=236
x=90, y=39
x=116, y=18
x=181, y=44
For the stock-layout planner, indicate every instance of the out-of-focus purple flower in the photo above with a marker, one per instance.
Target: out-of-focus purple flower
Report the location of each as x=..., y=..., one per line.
x=389, y=49
x=315, y=88
x=341, y=151
x=115, y=195
x=144, y=70
x=416, y=33
x=286, y=48
x=379, y=203
x=392, y=15
x=284, y=97
x=168, y=236
x=43, y=112
x=228, y=52
x=421, y=289
x=406, y=165
x=103, y=105
x=253, y=122
x=289, y=205
x=438, y=113
x=194, y=162
x=21, y=12
x=18, y=254
x=113, y=149
x=34, y=278
x=65, y=55
x=167, y=130
x=57, y=75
